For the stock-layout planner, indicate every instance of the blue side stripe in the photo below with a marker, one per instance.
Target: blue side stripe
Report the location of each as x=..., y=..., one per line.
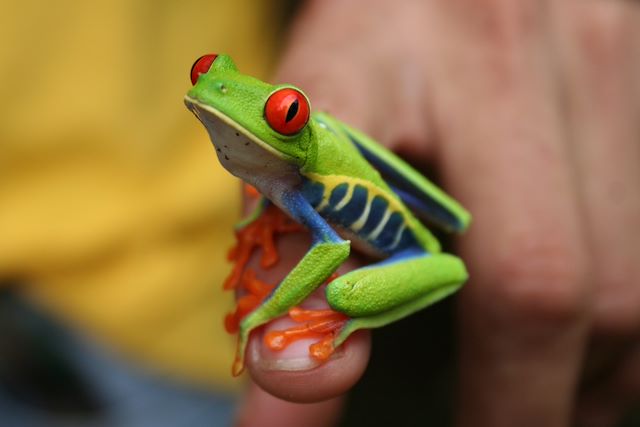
x=312, y=191
x=407, y=240
x=353, y=210
x=410, y=194
x=376, y=212
x=390, y=231
x=338, y=194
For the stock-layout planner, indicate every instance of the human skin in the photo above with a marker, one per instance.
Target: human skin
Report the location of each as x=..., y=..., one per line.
x=530, y=111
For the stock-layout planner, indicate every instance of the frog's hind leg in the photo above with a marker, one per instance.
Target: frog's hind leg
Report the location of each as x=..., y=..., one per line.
x=380, y=294
x=371, y=297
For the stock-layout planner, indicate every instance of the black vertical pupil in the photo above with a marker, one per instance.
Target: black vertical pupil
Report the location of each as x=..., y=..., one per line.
x=293, y=110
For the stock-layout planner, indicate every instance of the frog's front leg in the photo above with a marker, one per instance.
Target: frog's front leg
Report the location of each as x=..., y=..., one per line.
x=327, y=252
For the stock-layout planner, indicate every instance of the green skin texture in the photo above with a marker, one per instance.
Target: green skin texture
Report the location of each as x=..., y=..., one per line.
x=371, y=296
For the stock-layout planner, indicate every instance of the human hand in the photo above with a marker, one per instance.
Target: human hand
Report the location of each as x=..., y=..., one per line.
x=529, y=112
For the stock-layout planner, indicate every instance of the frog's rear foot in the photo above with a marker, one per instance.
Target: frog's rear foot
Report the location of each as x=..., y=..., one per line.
x=321, y=324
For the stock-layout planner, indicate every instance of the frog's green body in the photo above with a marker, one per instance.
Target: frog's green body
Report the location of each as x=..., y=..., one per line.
x=347, y=190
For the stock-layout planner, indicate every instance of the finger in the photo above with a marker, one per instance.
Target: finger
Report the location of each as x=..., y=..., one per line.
x=292, y=374
x=523, y=313
x=358, y=72
x=599, y=47
x=262, y=409
x=601, y=56
x=287, y=375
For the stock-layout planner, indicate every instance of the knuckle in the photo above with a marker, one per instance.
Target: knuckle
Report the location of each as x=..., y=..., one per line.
x=506, y=23
x=542, y=280
x=605, y=32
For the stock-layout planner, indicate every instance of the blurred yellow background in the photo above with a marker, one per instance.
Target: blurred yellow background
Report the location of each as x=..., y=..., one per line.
x=114, y=212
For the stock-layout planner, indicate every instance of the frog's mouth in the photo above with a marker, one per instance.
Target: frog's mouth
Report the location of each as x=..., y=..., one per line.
x=240, y=152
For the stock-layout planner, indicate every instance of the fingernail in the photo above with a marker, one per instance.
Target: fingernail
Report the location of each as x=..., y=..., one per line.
x=294, y=357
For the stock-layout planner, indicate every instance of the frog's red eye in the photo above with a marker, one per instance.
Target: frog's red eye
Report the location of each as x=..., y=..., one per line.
x=287, y=111
x=201, y=66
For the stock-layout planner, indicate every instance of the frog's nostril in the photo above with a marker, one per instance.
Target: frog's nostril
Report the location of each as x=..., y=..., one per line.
x=222, y=88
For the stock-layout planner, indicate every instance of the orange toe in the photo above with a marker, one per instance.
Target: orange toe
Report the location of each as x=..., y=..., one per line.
x=322, y=324
x=260, y=234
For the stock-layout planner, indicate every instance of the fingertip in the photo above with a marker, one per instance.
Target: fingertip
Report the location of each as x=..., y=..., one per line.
x=303, y=380
x=262, y=409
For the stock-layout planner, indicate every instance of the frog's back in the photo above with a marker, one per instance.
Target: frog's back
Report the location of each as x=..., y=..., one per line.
x=351, y=194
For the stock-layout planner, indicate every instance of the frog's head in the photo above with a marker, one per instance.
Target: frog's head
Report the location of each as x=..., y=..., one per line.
x=259, y=130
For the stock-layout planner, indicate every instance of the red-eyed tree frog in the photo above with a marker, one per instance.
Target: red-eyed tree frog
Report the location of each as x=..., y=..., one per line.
x=342, y=186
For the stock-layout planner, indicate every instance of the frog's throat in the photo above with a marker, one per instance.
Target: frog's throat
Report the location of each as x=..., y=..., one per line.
x=197, y=108
x=242, y=153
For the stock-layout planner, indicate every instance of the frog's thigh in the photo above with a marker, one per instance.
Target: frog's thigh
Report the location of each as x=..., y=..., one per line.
x=394, y=288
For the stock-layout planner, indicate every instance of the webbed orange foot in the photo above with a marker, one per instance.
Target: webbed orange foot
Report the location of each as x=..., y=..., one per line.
x=322, y=324
x=257, y=291
x=261, y=233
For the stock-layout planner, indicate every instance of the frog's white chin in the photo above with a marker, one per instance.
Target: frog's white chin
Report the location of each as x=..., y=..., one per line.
x=243, y=155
